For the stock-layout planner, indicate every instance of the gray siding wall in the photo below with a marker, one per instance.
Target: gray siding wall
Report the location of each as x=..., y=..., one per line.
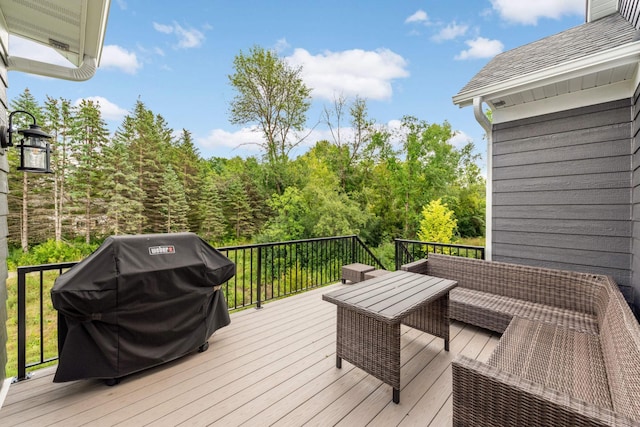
x=562, y=191
x=4, y=189
x=635, y=148
x=630, y=9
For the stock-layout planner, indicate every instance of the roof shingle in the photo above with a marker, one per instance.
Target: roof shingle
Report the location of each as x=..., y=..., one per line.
x=575, y=43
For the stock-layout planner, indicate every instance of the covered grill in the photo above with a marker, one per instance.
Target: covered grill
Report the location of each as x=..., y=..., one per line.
x=139, y=301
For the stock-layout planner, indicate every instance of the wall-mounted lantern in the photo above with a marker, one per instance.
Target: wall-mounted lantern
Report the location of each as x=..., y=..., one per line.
x=35, y=152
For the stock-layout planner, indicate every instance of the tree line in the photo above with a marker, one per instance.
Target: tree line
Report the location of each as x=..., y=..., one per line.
x=367, y=179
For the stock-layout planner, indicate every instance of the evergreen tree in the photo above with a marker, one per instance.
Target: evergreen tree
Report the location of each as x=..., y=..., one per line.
x=58, y=120
x=123, y=197
x=89, y=135
x=187, y=168
x=213, y=224
x=173, y=203
x=26, y=192
x=237, y=210
x=149, y=140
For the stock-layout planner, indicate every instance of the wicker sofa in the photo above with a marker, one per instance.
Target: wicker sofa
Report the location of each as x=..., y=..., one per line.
x=569, y=352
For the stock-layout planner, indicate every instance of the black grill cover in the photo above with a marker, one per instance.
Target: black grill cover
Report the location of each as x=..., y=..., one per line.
x=137, y=302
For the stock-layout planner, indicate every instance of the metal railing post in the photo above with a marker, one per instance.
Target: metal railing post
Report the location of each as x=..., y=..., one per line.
x=22, y=326
x=353, y=249
x=259, y=281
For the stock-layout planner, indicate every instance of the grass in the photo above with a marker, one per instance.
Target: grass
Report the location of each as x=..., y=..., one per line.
x=49, y=322
x=471, y=241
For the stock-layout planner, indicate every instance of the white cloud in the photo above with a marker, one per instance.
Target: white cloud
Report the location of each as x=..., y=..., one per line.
x=161, y=28
x=528, y=12
x=394, y=125
x=122, y=4
x=282, y=45
x=419, y=16
x=187, y=37
x=368, y=74
x=247, y=141
x=450, y=32
x=481, y=47
x=460, y=139
x=114, y=56
x=245, y=138
x=108, y=109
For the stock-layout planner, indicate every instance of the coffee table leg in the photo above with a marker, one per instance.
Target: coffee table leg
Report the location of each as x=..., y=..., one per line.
x=359, y=336
x=446, y=345
x=338, y=362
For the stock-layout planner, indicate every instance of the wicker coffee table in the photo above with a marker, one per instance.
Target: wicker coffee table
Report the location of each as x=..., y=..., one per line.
x=370, y=314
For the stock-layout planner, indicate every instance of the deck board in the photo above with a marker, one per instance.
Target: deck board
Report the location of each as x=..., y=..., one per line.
x=273, y=366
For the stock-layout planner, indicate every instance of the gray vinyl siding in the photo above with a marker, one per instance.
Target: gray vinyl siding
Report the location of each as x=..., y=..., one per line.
x=4, y=189
x=562, y=188
x=635, y=278
x=630, y=9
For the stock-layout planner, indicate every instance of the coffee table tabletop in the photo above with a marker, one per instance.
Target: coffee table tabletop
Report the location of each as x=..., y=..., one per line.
x=392, y=296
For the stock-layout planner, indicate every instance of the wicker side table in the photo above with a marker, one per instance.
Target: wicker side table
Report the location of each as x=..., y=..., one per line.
x=375, y=273
x=355, y=272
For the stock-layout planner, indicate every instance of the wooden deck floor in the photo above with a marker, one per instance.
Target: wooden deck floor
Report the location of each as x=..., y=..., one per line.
x=274, y=366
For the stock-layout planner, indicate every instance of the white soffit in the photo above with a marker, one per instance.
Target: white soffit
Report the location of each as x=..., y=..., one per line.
x=609, y=69
x=74, y=28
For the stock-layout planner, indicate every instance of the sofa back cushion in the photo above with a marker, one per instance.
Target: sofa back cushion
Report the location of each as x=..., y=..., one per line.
x=620, y=341
x=557, y=288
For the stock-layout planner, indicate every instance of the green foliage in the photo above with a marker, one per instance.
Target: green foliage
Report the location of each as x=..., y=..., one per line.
x=147, y=178
x=386, y=253
x=50, y=252
x=213, y=223
x=289, y=213
x=438, y=223
x=272, y=95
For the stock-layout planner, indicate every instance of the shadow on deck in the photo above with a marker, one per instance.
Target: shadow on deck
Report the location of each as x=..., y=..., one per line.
x=274, y=366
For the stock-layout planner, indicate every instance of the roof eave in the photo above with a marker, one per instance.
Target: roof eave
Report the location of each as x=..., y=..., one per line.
x=97, y=38
x=86, y=59
x=625, y=54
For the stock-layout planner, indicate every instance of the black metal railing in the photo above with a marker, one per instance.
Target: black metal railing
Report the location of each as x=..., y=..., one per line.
x=274, y=270
x=263, y=272
x=33, y=297
x=407, y=251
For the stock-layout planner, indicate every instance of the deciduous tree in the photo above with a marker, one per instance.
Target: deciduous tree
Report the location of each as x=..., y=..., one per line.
x=438, y=223
x=271, y=95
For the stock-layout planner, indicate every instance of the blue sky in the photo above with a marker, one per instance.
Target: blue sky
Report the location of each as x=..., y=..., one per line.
x=405, y=57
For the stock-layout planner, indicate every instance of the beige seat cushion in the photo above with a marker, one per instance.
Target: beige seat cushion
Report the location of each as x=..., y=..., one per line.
x=464, y=301
x=558, y=358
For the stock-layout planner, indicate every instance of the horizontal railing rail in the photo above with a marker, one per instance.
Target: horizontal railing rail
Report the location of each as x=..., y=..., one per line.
x=263, y=272
x=407, y=251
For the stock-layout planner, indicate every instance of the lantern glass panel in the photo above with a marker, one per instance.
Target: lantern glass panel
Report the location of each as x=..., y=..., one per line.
x=35, y=154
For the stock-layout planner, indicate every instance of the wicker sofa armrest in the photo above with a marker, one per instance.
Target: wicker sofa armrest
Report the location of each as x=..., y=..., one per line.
x=484, y=395
x=419, y=266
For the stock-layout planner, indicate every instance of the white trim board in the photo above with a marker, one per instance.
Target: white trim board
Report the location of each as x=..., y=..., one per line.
x=4, y=390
